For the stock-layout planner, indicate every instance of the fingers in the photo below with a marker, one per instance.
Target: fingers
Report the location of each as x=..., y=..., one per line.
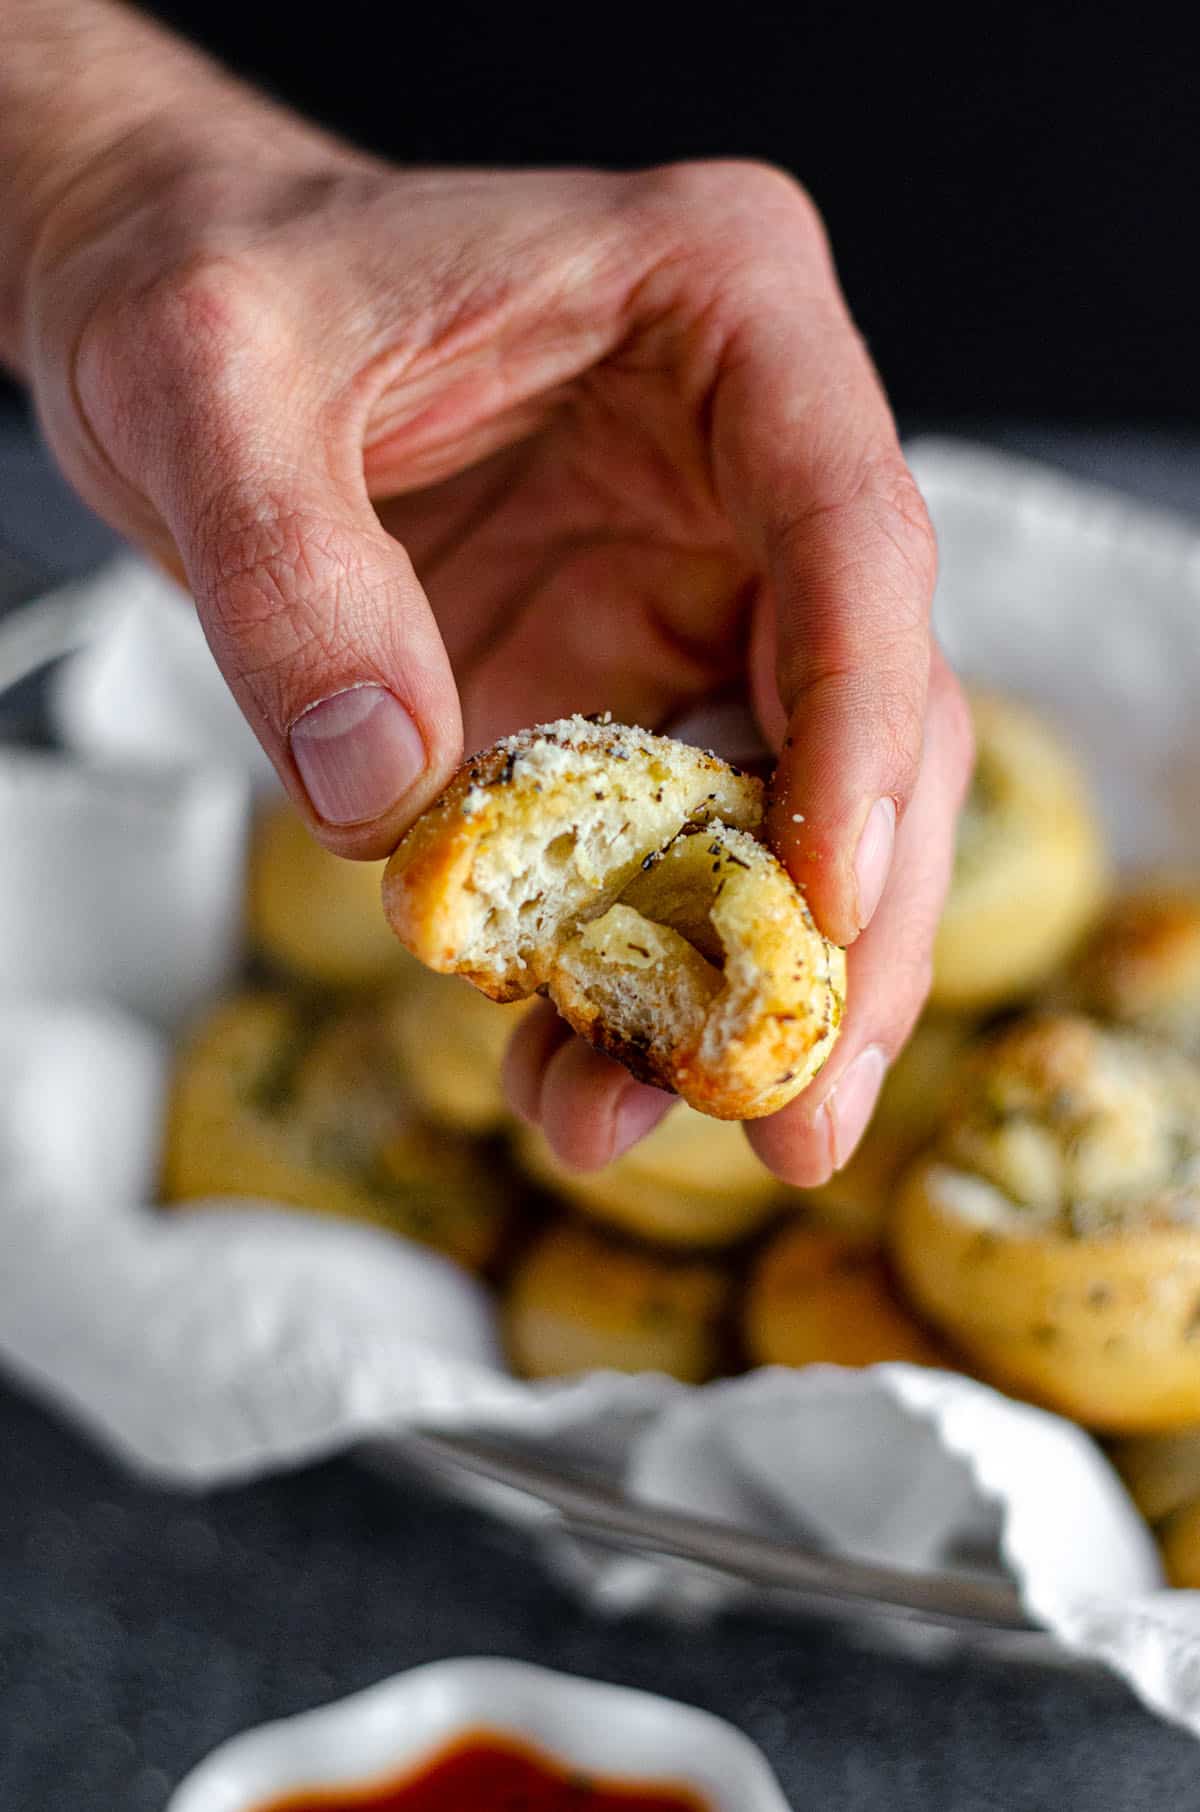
x=540, y=1034
x=589, y=1108
x=596, y=634
x=807, y=461
x=889, y=966
x=312, y=611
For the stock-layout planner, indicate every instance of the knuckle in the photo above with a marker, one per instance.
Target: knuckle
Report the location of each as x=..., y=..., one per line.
x=174, y=353
x=724, y=202
x=159, y=370
x=883, y=699
x=911, y=527
x=864, y=556
x=206, y=326
x=207, y=299
x=899, y=714
x=770, y=189
x=188, y=334
x=877, y=491
x=742, y=180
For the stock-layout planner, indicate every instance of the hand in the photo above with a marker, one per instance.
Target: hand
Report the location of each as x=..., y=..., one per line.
x=574, y=440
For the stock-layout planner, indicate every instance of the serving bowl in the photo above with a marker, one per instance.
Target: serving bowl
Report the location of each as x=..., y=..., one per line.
x=394, y=1727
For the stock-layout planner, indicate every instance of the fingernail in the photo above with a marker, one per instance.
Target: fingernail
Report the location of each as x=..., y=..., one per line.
x=638, y=1112
x=853, y=1101
x=358, y=752
x=874, y=858
x=822, y=1125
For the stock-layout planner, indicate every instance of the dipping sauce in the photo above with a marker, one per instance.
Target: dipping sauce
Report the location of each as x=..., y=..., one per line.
x=485, y=1772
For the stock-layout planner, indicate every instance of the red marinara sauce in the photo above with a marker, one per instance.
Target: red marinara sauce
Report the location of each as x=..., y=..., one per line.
x=486, y=1772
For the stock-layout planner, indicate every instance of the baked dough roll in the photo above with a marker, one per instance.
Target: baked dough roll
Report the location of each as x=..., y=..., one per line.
x=692, y=1182
x=1030, y=869
x=1053, y=1232
x=450, y=1041
x=1162, y=1475
x=1179, y=1545
x=579, y=1302
x=817, y=1297
x=1141, y=965
x=315, y=915
x=271, y=1102
x=617, y=871
x=1161, y=1472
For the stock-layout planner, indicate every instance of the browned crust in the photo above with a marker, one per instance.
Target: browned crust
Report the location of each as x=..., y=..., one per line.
x=1144, y=952
x=738, y=1092
x=761, y=1071
x=431, y=864
x=635, y=1055
x=1098, y=1329
x=428, y=863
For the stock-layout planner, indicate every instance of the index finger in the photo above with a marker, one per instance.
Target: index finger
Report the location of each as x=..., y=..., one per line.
x=808, y=465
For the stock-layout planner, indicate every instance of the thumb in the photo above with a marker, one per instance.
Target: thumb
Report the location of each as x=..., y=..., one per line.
x=313, y=611
x=326, y=638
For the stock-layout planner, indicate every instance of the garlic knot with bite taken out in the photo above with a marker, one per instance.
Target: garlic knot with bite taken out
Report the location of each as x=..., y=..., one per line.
x=619, y=872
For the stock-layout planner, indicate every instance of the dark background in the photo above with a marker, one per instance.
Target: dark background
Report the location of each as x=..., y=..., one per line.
x=1011, y=195
x=1011, y=192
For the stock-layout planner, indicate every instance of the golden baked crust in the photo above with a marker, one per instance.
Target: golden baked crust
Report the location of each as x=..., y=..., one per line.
x=272, y=1102
x=1161, y=1472
x=1030, y=868
x=817, y=1297
x=544, y=829
x=616, y=871
x=316, y=915
x=1179, y=1544
x=579, y=1302
x=692, y=1182
x=1141, y=965
x=1053, y=1234
x=1162, y=1475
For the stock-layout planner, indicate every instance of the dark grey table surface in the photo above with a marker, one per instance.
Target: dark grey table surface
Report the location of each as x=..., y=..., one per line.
x=139, y=1627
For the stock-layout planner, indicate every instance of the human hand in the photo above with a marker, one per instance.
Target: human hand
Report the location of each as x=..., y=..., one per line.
x=572, y=439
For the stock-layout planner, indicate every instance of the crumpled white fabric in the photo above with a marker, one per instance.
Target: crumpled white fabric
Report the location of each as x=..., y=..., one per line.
x=145, y=689
x=214, y=1343
x=119, y=882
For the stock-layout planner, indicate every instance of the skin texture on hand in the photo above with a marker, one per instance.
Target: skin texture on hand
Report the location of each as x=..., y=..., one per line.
x=441, y=454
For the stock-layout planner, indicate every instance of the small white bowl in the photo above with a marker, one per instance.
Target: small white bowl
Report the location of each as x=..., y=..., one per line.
x=610, y=1731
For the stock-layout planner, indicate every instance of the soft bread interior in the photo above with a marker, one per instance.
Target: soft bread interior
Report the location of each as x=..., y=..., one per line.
x=650, y=987
x=709, y=947
x=599, y=808
x=652, y=965
x=618, y=872
x=681, y=888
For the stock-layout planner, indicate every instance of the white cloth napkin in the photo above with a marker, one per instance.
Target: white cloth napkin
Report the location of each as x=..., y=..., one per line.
x=219, y=1342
